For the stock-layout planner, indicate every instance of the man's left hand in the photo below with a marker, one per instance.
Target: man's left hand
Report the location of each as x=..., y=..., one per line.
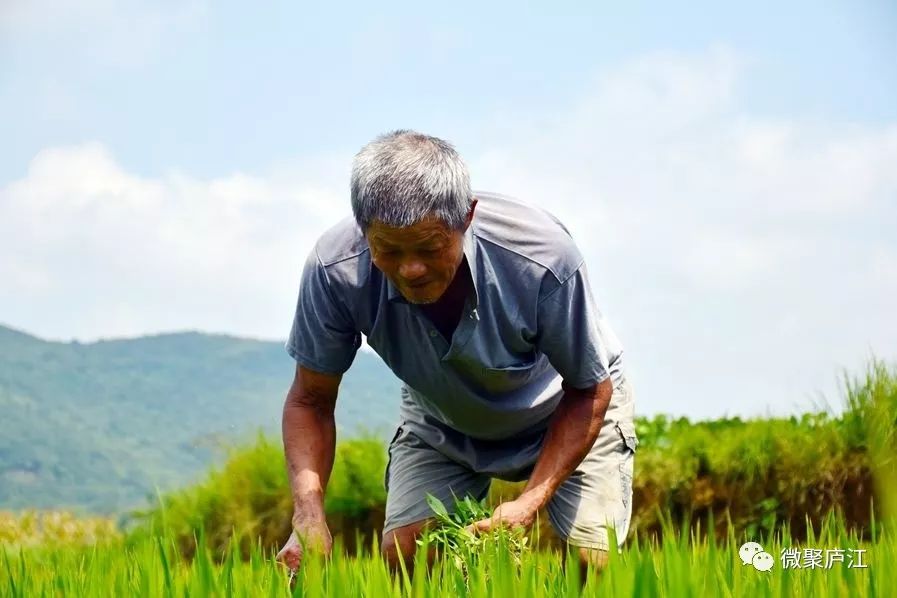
x=511, y=514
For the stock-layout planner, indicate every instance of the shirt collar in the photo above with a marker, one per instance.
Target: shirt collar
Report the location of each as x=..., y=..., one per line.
x=469, y=245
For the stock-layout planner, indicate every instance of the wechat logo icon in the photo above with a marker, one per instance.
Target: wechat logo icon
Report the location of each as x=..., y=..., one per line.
x=752, y=553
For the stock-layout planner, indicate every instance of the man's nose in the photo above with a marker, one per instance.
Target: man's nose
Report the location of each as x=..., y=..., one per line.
x=412, y=270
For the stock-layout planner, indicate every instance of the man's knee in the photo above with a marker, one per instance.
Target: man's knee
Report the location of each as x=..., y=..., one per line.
x=401, y=542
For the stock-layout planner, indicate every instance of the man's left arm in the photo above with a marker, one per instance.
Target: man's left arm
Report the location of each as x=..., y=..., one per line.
x=572, y=335
x=571, y=434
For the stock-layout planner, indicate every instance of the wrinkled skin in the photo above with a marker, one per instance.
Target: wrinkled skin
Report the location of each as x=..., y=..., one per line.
x=420, y=260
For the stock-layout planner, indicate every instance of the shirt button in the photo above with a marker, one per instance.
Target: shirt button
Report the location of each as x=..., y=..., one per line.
x=433, y=333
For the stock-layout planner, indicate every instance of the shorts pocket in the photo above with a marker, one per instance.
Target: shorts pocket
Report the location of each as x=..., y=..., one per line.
x=626, y=430
x=628, y=445
x=389, y=455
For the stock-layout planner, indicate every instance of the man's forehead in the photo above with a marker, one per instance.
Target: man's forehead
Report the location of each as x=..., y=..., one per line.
x=429, y=227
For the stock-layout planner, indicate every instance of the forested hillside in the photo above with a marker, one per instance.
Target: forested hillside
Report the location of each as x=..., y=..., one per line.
x=100, y=425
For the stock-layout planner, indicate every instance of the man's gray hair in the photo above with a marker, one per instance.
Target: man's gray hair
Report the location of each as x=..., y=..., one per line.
x=403, y=176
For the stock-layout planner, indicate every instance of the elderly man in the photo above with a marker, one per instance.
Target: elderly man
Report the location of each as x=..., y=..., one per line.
x=481, y=305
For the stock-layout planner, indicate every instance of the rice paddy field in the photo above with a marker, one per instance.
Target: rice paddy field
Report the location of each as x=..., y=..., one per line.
x=681, y=565
x=776, y=507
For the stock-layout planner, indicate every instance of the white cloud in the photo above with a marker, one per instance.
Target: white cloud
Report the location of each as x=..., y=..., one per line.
x=112, y=253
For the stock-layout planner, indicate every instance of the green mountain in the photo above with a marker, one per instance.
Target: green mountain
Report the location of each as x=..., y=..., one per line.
x=100, y=426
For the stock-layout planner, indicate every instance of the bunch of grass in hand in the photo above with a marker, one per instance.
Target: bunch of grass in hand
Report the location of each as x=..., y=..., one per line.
x=462, y=547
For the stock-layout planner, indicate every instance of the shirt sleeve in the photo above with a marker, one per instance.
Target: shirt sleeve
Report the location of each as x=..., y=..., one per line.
x=571, y=332
x=323, y=337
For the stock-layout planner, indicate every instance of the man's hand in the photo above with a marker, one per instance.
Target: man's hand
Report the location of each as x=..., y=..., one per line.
x=571, y=433
x=511, y=514
x=309, y=534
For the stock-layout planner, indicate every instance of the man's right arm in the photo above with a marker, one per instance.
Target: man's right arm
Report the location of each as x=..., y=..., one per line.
x=309, y=439
x=324, y=337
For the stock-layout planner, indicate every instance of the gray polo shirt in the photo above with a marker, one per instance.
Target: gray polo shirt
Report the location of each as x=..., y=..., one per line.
x=485, y=396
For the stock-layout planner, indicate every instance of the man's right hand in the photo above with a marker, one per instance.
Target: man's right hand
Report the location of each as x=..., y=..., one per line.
x=307, y=535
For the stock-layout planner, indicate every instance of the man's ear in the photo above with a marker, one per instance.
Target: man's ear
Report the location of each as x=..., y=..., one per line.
x=473, y=205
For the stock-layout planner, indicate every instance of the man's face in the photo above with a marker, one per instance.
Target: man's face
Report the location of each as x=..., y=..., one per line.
x=420, y=260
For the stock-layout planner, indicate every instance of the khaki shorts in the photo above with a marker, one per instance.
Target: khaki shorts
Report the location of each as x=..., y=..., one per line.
x=596, y=496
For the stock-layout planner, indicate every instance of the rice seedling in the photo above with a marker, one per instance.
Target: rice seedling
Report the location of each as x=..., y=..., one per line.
x=685, y=562
x=454, y=542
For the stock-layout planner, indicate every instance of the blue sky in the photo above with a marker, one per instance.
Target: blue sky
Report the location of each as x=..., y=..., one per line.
x=729, y=171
